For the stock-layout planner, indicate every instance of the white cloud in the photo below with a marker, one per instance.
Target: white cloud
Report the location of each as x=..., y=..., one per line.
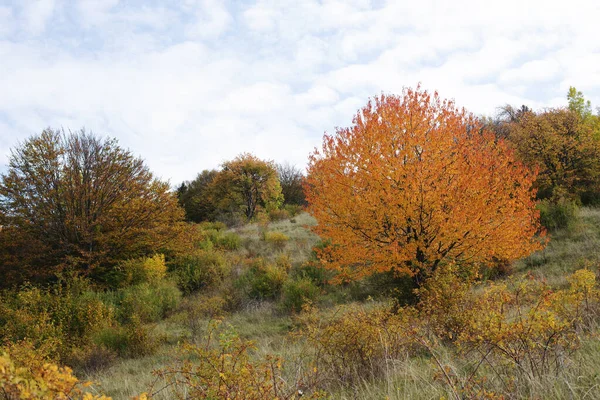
x=36, y=14
x=212, y=19
x=191, y=84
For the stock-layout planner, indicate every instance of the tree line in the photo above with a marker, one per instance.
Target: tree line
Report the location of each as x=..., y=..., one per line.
x=413, y=181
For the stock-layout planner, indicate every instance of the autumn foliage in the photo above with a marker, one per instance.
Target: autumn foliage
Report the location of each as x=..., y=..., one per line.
x=414, y=182
x=85, y=202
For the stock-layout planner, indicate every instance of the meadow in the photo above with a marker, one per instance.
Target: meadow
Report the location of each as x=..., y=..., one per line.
x=401, y=376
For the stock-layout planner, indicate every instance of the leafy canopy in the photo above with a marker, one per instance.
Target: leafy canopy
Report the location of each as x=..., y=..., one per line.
x=89, y=202
x=245, y=183
x=415, y=182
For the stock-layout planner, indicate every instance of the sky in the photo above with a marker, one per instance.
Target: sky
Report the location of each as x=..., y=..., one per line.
x=189, y=84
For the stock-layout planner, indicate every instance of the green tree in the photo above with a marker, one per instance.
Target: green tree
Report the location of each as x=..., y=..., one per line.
x=562, y=146
x=87, y=200
x=578, y=103
x=291, y=180
x=245, y=183
x=196, y=197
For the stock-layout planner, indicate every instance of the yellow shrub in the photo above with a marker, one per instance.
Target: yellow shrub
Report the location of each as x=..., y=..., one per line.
x=446, y=302
x=224, y=369
x=529, y=328
x=277, y=239
x=24, y=375
x=141, y=270
x=356, y=342
x=155, y=268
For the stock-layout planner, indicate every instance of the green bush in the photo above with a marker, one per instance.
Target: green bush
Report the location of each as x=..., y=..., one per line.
x=221, y=240
x=199, y=270
x=228, y=241
x=217, y=226
x=314, y=271
x=558, y=214
x=292, y=209
x=58, y=318
x=149, y=303
x=129, y=340
x=297, y=293
x=261, y=280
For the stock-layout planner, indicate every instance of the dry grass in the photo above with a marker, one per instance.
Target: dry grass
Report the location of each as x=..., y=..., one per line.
x=404, y=378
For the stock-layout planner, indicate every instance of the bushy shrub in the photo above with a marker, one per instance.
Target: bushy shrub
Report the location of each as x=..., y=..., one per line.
x=357, y=343
x=514, y=332
x=224, y=368
x=200, y=308
x=558, y=213
x=149, y=303
x=61, y=317
x=139, y=270
x=262, y=280
x=314, y=271
x=298, y=293
x=25, y=375
x=446, y=302
x=278, y=214
x=129, y=340
x=199, y=270
x=208, y=225
x=228, y=241
x=277, y=239
x=293, y=209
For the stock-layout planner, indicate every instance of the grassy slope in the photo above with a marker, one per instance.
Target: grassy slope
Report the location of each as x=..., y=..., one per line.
x=407, y=379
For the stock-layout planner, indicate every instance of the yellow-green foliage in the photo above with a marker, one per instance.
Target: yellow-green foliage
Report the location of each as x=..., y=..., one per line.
x=277, y=239
x=140, y=270
x=59, y=319
x=528, y=327
x=297, y=293
x=199, y=270
x=262, y=280
x=510, y=333
x=446, y=302
x=150, y=303
x=357, y=342
x=279, y=214
x=27, y=376
x=129, y=340
x=222, y=367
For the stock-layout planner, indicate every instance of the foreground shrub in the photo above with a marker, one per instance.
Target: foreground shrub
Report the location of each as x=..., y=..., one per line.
x=140, y=270
x=278, y=215
x=129, y=340
x=223, y=240
x=222, y=367
x=515, y=333
x=59, y=318
x=357, y=343
x=25, y=375
x=447, y=303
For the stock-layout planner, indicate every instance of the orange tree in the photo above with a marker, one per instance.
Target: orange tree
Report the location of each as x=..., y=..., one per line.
x=415, y=182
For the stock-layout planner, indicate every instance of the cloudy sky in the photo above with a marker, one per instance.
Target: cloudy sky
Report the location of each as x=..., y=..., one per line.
x=189, y=84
